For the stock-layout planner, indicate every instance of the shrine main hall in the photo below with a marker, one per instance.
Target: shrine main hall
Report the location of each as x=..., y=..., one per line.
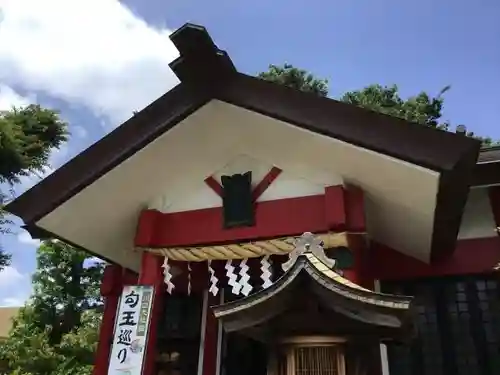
x=250, y=228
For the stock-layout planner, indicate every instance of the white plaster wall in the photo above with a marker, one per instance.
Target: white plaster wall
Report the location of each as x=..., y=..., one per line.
x=477, y=220
x=306, y=182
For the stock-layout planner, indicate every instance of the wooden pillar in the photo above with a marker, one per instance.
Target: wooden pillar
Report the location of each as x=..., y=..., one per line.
x=129, y=277
x=383, y=358
x=344, y=210
x=111, y=288
x=356, y=226
x=151, y=274
x=209, y=340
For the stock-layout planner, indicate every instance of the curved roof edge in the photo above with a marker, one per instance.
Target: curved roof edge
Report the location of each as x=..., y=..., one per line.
x=389, y=310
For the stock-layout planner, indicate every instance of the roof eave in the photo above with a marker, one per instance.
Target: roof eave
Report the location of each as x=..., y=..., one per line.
x=487, y=174
x=130, y=137
x=41, y=234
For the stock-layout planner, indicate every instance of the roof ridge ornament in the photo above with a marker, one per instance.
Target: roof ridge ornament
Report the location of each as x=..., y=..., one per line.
x=308, y=243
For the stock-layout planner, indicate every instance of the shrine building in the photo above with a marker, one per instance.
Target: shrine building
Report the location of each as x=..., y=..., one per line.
x=251, y=229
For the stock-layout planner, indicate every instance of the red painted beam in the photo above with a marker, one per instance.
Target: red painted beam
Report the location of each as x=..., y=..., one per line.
x=283, y=217
x=336, y=210
x=471, y=256
x=146, y=226
x=265, y=183
x=215, y=186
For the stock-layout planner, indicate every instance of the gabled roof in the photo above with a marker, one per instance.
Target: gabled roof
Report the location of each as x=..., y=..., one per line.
x=207, y=73
x=373, y=310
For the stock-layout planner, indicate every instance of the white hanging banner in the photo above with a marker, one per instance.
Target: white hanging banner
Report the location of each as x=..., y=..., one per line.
x=131, y=330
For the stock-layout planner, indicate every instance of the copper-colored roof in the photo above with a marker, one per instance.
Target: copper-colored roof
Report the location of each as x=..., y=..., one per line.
x=334, y=292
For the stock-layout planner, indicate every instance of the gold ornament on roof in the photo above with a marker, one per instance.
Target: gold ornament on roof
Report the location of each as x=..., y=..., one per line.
x=308, y=243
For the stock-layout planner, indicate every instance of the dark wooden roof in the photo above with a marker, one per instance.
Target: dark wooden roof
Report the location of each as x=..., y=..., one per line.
x=207, y=73
x=361, y=310
x=487, y=171
x=490, y=154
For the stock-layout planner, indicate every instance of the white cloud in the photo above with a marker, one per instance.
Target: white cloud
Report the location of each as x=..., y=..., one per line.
x=15, y=287
x=9, y=98
x=10, y=276
x=25, y=238
x=79, y=131
x=96, y=53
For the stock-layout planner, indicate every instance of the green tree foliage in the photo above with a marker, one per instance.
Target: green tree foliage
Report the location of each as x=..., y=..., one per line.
x=421, y=108
x=296, y=78
x=28, y=351
x=4, y=229
x=27, y=136
x=56, y=333
x=64, y=286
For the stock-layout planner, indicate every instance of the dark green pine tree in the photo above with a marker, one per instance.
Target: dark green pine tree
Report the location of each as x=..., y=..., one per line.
x=421, y=108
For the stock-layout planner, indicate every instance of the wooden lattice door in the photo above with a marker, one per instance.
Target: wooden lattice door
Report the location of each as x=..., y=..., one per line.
x=311, y=359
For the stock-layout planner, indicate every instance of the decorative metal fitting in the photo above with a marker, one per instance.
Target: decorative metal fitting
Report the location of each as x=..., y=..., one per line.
x=308, y=243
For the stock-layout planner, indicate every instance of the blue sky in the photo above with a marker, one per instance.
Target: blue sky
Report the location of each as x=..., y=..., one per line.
x=98, y=60
x=419, y=45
